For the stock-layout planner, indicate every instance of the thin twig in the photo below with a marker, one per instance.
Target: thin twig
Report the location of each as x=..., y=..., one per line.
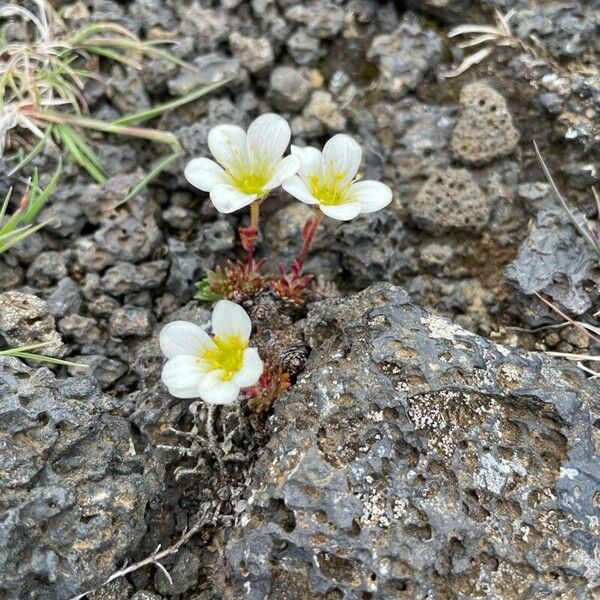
x=567, y=318
x=154, y=558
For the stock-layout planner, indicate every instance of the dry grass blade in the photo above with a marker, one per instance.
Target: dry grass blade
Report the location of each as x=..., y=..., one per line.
x=41, y=83
x=586, y=232
x=566, y=317
x=493, y=36
x=469, y=61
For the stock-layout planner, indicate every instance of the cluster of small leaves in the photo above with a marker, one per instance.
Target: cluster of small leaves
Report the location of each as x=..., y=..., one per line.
x=273, y=382
x=293, y=288
x=237, y=282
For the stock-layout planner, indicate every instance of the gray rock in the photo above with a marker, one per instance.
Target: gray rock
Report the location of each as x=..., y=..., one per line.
x=118, y=589
x=184, y=574
x=404, y=56
x=65, y=218
x=423, y=132
x=209, y=68
x=191, y=260
x=179, y=217
x=98, y=200
x=89, y=256
x=288, y=90
x=102, y=305
x=25, y=319
x=72, y=488
x=554, y=260
x=435, y=255
x=413, y=458
x=132, y=321
x=255, y=54
x=105, y=370
x=449, y=11
x=565, y=29
x=373, y=247
x=30, y=247
x=303, y=48
x=122, y=158
x=450, y=200
x=153, y=13
x=322, y=19
x=11, y=273
x=208, y=27
x=338, y=82
x=485, y=130
x=125, y=278
x=326, y=111
x=47, y=268
x=81, y=329
x=146, y=596
x=127, y=233
x=125, y=88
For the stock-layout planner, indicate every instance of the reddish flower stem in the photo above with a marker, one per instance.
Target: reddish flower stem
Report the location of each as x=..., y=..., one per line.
x=309, y=233
x=249, y=234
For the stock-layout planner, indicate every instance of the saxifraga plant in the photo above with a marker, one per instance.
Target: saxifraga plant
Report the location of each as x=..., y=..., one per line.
x=41, y=89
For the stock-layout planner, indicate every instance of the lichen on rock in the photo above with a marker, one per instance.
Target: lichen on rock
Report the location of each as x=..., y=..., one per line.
x=415, y=459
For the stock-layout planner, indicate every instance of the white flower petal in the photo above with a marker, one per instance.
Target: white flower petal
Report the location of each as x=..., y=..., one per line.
x=182, y=375
x=230, y=319
x=204, y=174
x=267, y=139
x=341, y=158
x=341, y=212
x=311, y=161
x=228, y=198
x=286, y=168
x=252, y=368
x=227, y=144
x=214, y=390
x=372, y=195
x=297, y=188
x=182, y=337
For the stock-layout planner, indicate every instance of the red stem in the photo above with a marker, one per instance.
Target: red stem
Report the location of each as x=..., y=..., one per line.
x=250, y=233
x=309, y=233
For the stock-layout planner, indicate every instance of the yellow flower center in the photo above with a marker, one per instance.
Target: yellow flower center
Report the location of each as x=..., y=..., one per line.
x=250, y=182
x=329, y=192
x=228, y=355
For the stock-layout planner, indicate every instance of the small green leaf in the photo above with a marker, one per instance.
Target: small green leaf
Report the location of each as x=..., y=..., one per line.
x=205, y=292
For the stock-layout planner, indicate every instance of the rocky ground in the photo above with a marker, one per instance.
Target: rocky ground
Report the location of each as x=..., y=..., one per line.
x=416, y=456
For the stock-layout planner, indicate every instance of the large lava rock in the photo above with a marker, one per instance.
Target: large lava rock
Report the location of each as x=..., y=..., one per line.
x=74, y=484
x=417, y=460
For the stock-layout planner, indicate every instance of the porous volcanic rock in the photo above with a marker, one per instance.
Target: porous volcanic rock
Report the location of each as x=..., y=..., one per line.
x=450, y=200
x=415, y=459
x=485, y=129
x=74, y=484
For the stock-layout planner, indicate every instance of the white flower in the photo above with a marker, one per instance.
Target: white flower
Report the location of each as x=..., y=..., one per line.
x=214, y=369
x=250, y=164
x=328, y=179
